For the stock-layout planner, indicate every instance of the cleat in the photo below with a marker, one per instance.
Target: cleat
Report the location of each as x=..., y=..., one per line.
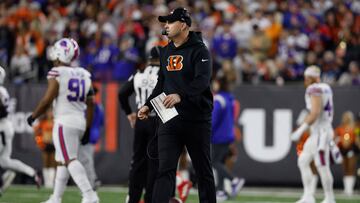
x=52, y=199
x=306, y=200
x=236, y=185
x=328, y=201
x=221, y=196
x=7, y=179
x=184, y=190
x=93, y=198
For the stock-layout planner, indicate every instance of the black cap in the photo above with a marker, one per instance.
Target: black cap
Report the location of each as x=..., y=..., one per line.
x=154, y=52
x=179, y=14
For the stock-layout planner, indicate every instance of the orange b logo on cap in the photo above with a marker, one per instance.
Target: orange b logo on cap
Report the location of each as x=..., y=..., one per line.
x=175, y=63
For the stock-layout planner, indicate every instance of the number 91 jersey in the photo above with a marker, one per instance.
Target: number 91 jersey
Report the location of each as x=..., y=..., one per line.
x=324, y=91
x=69, y=107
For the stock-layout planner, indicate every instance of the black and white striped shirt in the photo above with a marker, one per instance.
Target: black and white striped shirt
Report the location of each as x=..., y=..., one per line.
x=142, y=83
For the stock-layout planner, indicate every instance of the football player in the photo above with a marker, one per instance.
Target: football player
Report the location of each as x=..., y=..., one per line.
x=6, y=136
x=319, y=102
x=70, y=92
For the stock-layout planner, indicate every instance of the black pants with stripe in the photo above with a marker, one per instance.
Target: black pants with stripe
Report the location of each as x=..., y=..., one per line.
x=144, y=164
x=172, y=137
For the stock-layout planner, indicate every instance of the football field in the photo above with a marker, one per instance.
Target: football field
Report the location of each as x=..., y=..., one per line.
x=29, y=194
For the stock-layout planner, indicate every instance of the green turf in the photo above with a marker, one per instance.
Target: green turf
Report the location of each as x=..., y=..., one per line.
x=29, y=194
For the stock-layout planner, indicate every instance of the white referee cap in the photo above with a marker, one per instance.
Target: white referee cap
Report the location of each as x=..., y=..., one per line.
x=312, y=71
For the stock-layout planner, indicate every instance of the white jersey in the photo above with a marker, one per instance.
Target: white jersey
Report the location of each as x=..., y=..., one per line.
x=70, y=105
x=144, y=84
x=327, y=110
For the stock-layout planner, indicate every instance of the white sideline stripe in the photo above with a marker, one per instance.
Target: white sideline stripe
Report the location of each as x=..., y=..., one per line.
x=249, y=192
x=229, y=201
x=292, y=192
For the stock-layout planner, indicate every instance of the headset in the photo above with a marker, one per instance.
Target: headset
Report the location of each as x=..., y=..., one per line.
x=164, y=32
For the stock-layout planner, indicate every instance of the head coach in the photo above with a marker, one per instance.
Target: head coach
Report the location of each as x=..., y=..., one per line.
x=184, y=76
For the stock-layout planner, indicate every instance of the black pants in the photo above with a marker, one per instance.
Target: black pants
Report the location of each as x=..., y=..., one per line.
x=219, y=152
x=172, y=137
x=143, y=168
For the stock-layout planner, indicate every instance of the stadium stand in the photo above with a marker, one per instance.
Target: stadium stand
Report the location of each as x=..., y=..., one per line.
x=269, y=41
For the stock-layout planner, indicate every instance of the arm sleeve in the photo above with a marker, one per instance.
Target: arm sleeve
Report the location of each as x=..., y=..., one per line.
x=125, y=92
x=157, y=90
x=53, y=73
x=202, y=66
x=314, y=90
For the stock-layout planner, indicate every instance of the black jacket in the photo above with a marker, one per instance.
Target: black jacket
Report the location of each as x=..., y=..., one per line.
x=186, y=70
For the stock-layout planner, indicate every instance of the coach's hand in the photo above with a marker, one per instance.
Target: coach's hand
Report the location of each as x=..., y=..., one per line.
x=171, y=99
x=30, y=120
x=143, y=112
x=132, y=119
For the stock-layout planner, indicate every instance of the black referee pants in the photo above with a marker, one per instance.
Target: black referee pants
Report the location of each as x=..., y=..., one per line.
x=143, y=168
x=172, y=137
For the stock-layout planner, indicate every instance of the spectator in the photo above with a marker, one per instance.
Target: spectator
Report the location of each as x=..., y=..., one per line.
x=6, y=41
x=104, y=59
x=242, y=25
x=224, y=43
x=292, y=28
x=244, y=63
x=352, y=77
x=292, y=16
x=273, y=32
x=104, y=24
x=330, y=68
x=311, y=59
x=333, y=25
x=87, y=58
x=20, y=66
x=259, y=19
x=127, y=59
x=259, y=44
x=55, y=24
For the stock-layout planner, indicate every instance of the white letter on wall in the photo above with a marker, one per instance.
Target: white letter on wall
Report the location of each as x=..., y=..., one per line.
x=253, y=121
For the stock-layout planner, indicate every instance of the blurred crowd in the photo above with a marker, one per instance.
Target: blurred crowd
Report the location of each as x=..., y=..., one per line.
x=259, y=41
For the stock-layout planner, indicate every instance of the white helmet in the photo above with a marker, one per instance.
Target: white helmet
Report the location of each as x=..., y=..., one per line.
x=2, y=75
x=63, y=50
x=76, y=49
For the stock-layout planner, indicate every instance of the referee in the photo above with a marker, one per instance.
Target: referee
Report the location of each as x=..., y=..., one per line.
x=184, y=76
x=142, y=166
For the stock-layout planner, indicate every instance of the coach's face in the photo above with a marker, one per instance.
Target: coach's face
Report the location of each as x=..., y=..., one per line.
x=173, y=29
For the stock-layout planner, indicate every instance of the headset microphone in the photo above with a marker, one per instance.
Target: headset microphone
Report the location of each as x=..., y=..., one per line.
x=164, y=32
